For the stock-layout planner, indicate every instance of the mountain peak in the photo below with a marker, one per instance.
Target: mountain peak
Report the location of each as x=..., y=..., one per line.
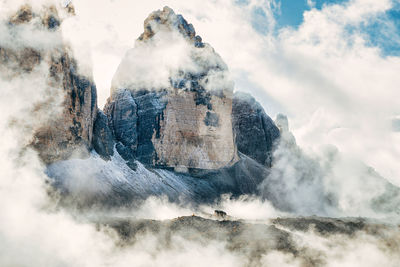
x=167, y=20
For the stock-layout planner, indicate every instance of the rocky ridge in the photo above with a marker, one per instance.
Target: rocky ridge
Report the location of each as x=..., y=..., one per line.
x=183, y=124
x=183, y=133
x=254, y=240
x=193, y=122
x=69, y=131
x=188, y=137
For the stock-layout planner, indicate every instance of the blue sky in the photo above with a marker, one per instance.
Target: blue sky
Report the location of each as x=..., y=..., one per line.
x=383, y=32
x=291, y=11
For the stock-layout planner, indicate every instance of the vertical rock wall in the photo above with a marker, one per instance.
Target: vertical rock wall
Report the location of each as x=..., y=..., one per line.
x=69, y=133
x=193, y=136
x=255, y=132
x=184, y=122
x=69, y=129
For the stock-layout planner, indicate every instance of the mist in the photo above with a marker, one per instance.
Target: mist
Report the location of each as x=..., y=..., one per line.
x=337, y=159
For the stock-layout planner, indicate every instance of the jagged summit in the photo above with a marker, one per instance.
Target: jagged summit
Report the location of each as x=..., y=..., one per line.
x=175, y=94
x=172, y=108
x=166, y=19
x=48, y=15
x=170, y=50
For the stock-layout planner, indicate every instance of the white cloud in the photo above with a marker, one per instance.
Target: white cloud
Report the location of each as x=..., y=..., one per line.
x=335, y=89
x=310, y=3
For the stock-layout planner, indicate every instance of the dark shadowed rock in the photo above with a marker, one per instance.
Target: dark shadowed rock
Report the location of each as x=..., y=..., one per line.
x=103, y=140
x=121, y=111
x=135, y=118
x=255, y=132
x=151, y=106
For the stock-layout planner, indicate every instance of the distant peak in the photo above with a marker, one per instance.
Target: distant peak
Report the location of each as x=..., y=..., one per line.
x=48, y=14
x=166, y=19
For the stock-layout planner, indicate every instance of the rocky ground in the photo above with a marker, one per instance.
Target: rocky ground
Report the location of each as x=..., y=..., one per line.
x=296, y=238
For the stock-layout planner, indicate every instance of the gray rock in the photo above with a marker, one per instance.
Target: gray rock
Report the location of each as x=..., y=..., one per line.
x=121, y=111
x=255, y=132
x=134, y=118
x=150, y=114
x=103, y=139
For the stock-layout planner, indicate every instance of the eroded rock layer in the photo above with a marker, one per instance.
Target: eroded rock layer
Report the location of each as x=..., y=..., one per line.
x=194, y=136
x=70, y=106
x=71, y=131
x=184, y=123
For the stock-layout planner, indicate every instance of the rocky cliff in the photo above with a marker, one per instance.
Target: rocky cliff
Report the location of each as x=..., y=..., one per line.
x=173, y=128
x=185, y=120
x=69, y=130
x=255, y=132
x=172, y=124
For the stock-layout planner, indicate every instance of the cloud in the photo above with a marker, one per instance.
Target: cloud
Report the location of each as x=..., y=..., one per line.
x=335, y=88
x=310, y=3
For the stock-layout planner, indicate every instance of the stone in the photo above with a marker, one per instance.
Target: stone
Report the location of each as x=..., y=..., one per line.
x=255, y=132
x=122, y=113
x=103, y=139
x=188, y=138
x=68, y=131
x=166, y=19
x=134, y=120
x=14, y=62
x=164, y=129
x=185, y=123
x=23, y=15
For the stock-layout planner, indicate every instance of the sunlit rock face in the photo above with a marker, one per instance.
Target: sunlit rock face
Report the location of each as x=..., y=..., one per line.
x=70, y=106
x=171, y=99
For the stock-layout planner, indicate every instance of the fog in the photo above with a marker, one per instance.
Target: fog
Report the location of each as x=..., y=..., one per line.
x=325, y=173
